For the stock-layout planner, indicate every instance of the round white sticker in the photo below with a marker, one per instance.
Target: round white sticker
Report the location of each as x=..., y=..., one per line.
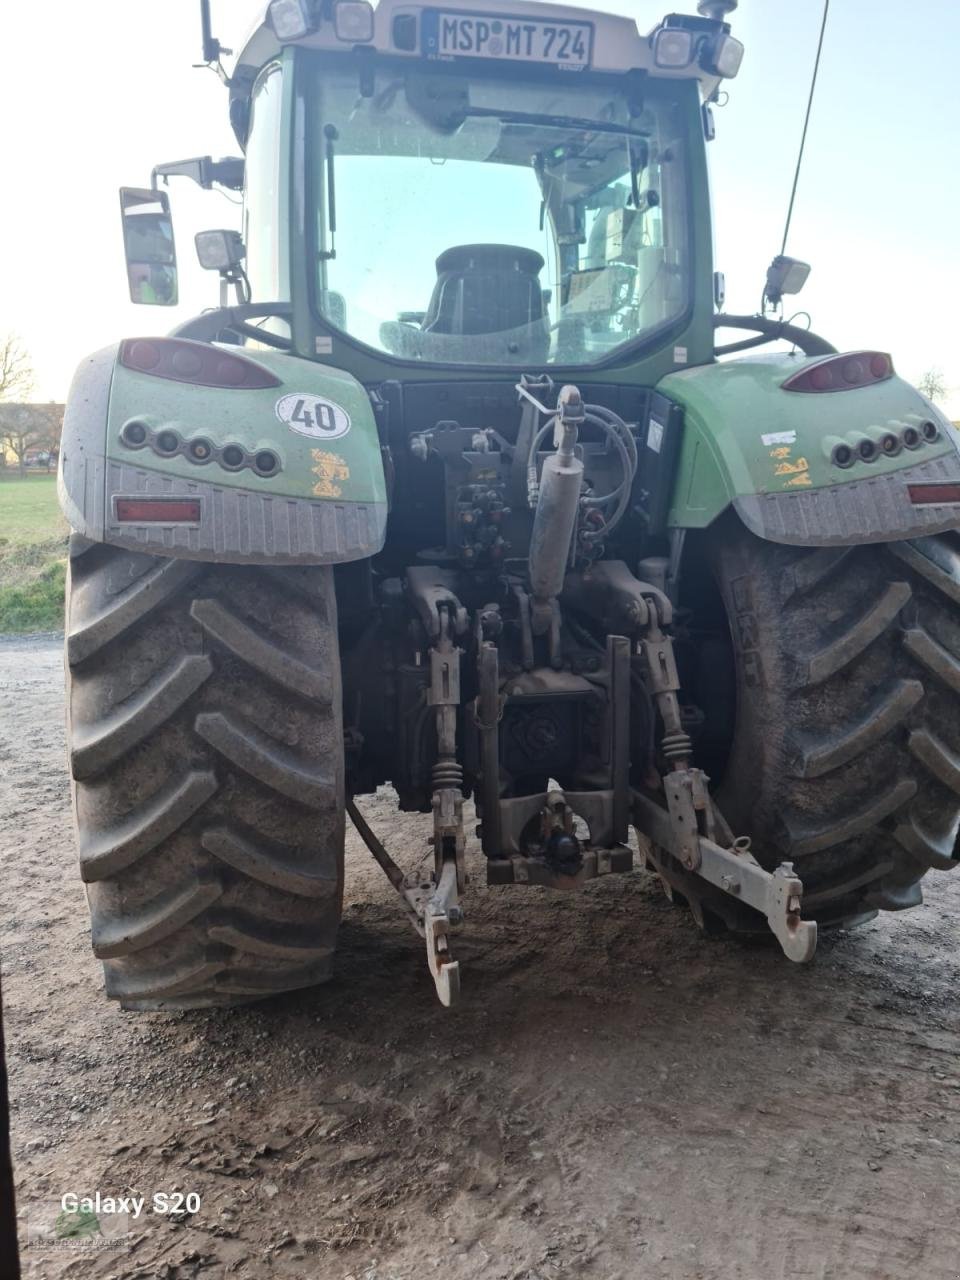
x=313, y=416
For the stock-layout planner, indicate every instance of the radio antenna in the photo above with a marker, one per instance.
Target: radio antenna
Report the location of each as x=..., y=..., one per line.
x=806, y=125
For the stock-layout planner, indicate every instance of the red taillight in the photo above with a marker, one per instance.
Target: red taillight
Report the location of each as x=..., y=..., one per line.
x=158, y=510
x=928, y=494
x=842, y=373
x=182, y=360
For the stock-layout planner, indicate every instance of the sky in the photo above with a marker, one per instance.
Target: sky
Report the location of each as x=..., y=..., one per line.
x=95, y=92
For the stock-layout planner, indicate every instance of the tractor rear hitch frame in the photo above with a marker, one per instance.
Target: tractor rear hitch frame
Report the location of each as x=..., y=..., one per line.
x=688, y=828
x=777, y=895
x=433, y=904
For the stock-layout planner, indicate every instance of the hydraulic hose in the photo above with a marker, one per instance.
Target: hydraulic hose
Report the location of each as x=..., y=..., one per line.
x=811, y=344
x=620, y=435
x=621, y=492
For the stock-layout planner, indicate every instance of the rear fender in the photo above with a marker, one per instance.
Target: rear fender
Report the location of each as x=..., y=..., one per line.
x=325, y=504
x=768, y=453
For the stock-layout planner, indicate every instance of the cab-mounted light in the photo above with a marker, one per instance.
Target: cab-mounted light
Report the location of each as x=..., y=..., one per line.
x=219, y=250
x=353, y=21
x=722, y=57
x=785, y=275
x=672, y=48
x=290, y=19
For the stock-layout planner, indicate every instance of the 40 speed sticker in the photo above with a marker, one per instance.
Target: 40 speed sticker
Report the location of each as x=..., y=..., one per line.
x=313, y=416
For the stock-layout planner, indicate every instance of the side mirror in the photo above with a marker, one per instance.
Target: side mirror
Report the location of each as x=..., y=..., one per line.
x=149, y=247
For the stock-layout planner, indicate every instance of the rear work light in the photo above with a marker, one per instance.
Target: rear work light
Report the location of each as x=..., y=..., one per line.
x=673, y=48
x=842, y=373
x=353, y=21
x=183, y=360
x=158, y=510
x=929, y=494
x=724, y=58
x=290, y=19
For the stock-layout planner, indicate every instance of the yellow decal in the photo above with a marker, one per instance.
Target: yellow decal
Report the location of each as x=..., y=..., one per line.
x=328, y=467
x=782, y=452
x=791, y=468
x=801, y=479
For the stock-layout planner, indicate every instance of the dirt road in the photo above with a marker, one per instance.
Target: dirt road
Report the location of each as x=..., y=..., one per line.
x=617, y=1099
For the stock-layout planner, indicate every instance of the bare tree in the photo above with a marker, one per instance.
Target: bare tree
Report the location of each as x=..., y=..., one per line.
x=19, y=431
x=30, y=426
x=932, y=384
x=16, y=371
x=51, y=432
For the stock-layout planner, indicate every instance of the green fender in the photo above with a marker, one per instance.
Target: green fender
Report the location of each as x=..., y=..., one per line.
x=324, y=502
x=767, y=452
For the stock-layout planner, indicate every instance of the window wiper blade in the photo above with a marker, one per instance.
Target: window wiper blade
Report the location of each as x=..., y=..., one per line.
x=556, y=122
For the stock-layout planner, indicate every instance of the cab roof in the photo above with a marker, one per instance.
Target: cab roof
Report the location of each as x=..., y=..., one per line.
x=618, y=45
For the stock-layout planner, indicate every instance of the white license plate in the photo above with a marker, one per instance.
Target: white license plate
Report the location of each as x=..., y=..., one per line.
x=447, y=34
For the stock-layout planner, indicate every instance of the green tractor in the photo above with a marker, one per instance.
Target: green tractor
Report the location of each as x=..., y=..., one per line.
x=453, y=493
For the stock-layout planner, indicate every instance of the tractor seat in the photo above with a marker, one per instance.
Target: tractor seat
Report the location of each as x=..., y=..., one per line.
x=485, y=288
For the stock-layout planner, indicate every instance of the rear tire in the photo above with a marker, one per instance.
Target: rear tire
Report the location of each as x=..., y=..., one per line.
x=206, y=747
x=845, y=759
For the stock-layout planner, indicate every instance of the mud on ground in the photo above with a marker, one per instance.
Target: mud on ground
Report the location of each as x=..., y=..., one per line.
x=616, y=1099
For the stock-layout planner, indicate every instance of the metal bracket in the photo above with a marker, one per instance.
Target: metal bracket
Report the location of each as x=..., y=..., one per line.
x=432, y=906
x=431, y=589
x=685, y=791
x=440, y=912
x=518, y=869
x=435, y=908
x=777, y=895
x=689, y=826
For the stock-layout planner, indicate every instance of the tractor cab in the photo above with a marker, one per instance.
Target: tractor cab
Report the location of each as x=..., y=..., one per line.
x=438, y=187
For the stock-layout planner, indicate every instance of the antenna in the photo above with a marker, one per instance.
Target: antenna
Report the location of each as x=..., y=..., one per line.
x=806, y=125
x=716, y=9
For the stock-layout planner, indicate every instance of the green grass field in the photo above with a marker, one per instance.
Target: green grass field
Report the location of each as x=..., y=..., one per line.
x=33, y=548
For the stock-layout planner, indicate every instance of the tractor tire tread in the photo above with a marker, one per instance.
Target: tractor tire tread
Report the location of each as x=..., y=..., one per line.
x=206, y=746
x=846, y=755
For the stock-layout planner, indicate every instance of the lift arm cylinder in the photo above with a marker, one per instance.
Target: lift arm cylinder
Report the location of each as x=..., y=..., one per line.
x=557, y=505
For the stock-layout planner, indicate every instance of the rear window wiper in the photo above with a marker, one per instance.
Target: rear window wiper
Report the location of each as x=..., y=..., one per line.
x=557, y=122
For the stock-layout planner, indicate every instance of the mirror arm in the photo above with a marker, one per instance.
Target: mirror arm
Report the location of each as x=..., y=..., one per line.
x=204, y=171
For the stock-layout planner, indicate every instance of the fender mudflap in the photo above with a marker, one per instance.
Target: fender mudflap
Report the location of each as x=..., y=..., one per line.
x=881, y=508
x=240, y=527
x=774, y=455
x=152, y=463
x=80, y=484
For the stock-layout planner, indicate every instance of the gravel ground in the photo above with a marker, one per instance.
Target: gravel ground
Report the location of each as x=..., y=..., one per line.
x=616, y=1099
